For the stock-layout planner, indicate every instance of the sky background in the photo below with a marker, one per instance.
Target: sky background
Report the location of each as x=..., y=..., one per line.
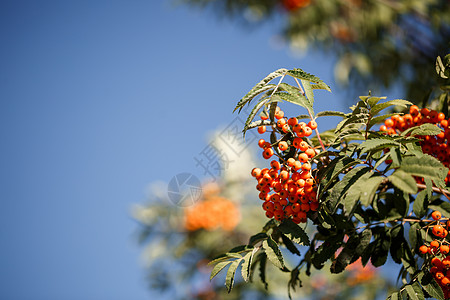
x=98, y=100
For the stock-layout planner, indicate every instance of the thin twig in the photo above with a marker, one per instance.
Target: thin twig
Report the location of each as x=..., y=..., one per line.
x=435, y=189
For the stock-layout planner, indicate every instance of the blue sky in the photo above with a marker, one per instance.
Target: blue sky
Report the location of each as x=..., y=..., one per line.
x=99, y=99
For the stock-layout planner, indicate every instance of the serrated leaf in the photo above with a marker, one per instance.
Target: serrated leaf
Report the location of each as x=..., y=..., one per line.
x=369, y=188
x=246, y=263
x=260, y=87
x=262, y=268
x=426, y=166
x=294, y=232
x=326, y=250
x=379, y=119
x=430, y=285
x=298, y=99
x=273, y=253
x=253, y=113
x=440, y=68
x=290, y=245
x=414, y=235
x=219, y=267
x=254, y=239
x=229, y=280
x=346, y=255
x=321, y=86
x=332, y=171
x=418, y=289
x=411, y=292
x=419, y=207
x=330, y=113
x=300, y=74
x=397, y=102
x=442, y=206
x=308, y=92
x=403, y=181
x=377, y=144
x=374, y=100
x=394, y=296
x=424, y=129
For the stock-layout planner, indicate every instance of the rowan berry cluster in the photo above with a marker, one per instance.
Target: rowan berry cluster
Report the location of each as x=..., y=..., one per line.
x=287, y=188
x=211, y=212
x=435, y=145
x=436, y=252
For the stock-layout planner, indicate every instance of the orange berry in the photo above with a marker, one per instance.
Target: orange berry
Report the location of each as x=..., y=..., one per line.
x=423, y=249
x=434, y=244
x=389, y=123
x=438, y=230
x=310, y=152
x=264, y=116
x=444, y=249
x=314, y=206
x=312, y=124
x=297, y=165
x=261, y=129
x=293, y=121
x=424, y=111
x=436, y=215
x=414, y=110
x=268, y=153
x=275, y=165
x=303, y=146
x=303, y=157
x=261, y=143
x=440, y=116
x=279, y=114
x=283, y=145
x=281, y=122
x=306, y=166
x=285, y=128
x=308, y=131
x=290, y=162
x=256, y=172
x=383, y=128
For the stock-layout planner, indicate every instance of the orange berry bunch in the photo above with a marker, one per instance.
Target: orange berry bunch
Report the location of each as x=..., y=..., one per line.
x=287, y=187
x=438, y=252
x=435, y=145
x=212, y=213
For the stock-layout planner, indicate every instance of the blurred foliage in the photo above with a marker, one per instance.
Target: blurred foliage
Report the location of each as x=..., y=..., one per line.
x=179, y=242
x=378, y=43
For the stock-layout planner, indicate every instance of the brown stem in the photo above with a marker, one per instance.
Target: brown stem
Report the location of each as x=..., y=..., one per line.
x=435, y=189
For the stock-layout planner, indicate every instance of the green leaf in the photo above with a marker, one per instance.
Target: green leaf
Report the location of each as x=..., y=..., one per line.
x=414, y=235
x=346, y=255
x=430, y=285
x=273, y=253
x=330, y=113
x=418, y=290
x=379, y=119
x=427, y=167
x=411, y=292
x=424, y=129
x=395, y=296
x=262, y=257
x=260, y=87
x=253, y=113
x=379, y=107
x=442, y=206
x=369, y=188
x=290, y=245
x=308, y=92
x=420, y=206
x=219, y=267
x=334, y=168
x=300, y=74
x=380, y=250
x=247, y=262
x=403, y=181
x=254, y=239
x=377, y=144
x=229, y=280
x=321, y=86
x=341, y=188
x=294, y=232
x=326, y=250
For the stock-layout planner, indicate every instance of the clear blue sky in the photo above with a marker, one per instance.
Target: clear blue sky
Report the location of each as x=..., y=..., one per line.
x=99, y=99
